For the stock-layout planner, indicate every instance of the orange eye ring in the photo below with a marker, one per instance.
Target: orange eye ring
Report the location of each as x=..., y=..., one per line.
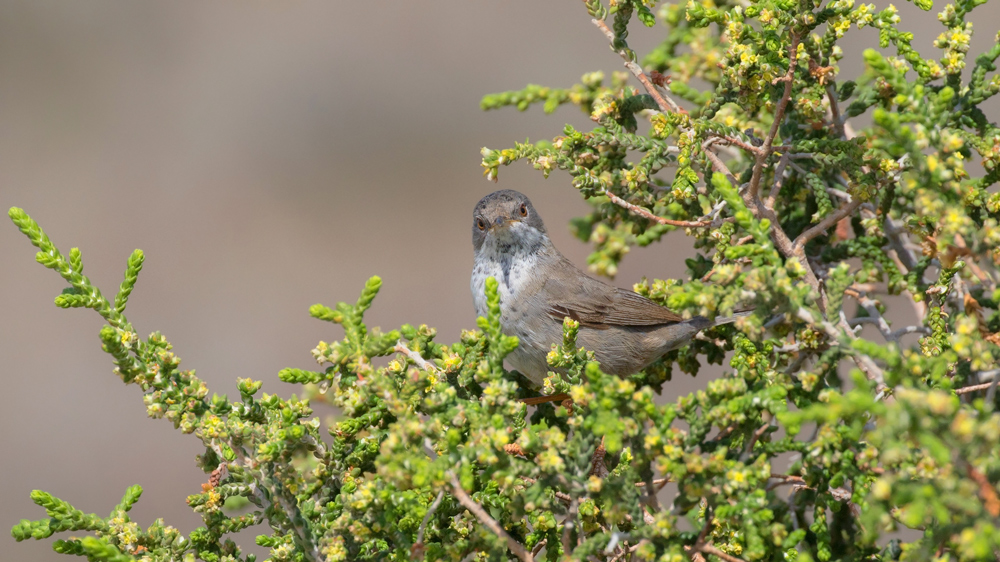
x=524, y=210
x=480, y=224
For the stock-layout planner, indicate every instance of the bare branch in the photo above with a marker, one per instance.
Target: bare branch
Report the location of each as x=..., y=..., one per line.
x=709, y=549
x=779, y=115
x=568, y=525
x=663, y=101
x=872, y=371
x=659, y=483
x=975, y=387
x=779, y=180
x=427, y=517
x=784, y=479
x=909, y=330
x=991, y=501
x=838, y=123
x=644, y=213
x=753, y=441
x=898, y=240
x=717, y=164
x=735, y=142
x=828, y=221
x=534, y=400
x=475, y=509
x=874, y=315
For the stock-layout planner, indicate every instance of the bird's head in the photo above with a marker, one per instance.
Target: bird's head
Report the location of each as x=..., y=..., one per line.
x=506, y=217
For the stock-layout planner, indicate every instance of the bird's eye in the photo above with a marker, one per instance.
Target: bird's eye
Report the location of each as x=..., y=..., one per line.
x=480, y=224
x=524, y=210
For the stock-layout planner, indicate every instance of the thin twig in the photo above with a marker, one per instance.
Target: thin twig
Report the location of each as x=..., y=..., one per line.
x=568, y=525
x=779, y=180
x=717, y=164
x=663, y=101
x=828, y=221
x=562, y=496
x=975, y=387
x=838, y=124
x=872, y=371
x=659, y=483
x=475, y=509
x=874, y=315
x=909, y=330
x=534, y=400
x=735, y=142
x=629, y=550
x=991, y=501
x=415, y=357
x=839, y=193
x=428, y=515
x=753, y=441
x=779, y=115
x=785, y=479
x=700, y=545
x=637, y=210
x=709, y=549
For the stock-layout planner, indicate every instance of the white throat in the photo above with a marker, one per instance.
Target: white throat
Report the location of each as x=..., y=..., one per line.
x=509, y=255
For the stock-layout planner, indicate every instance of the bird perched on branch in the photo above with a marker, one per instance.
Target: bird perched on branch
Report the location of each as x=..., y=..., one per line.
x=539, y=287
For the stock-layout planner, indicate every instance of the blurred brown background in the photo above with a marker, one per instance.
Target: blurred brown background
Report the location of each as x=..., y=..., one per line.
x=266, y=155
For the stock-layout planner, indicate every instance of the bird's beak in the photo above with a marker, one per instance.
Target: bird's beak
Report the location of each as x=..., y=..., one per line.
x=503, y=222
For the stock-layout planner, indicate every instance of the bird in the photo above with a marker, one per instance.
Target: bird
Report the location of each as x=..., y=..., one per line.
x=539, y=288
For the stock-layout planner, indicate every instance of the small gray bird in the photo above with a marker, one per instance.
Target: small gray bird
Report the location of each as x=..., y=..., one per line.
x=539, y=287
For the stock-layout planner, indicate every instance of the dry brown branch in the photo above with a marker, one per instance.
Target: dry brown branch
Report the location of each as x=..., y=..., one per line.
x=753, y=440
x=986, y=491
x=709, y=549
x=663, y=101
x=838, y=123
x=428, y=515
x=828, y=221
x=534, y=400
x=785, y=479
x=477, y=510
x=629, y=550
x=717, y=164
x=974, y=388
x=766, y=149
x=659, y=483
x=779, y=180
x=735, y=142
x=637, y=210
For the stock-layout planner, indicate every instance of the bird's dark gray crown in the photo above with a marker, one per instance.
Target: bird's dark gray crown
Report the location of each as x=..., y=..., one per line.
x=500, y=207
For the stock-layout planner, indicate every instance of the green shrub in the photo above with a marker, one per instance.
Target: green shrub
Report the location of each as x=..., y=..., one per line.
x=792, y=210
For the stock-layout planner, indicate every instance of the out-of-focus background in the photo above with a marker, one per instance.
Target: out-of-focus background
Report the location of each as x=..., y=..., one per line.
x=266, y=155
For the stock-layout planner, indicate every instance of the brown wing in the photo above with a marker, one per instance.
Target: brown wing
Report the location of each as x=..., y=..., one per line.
x=597, y=305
